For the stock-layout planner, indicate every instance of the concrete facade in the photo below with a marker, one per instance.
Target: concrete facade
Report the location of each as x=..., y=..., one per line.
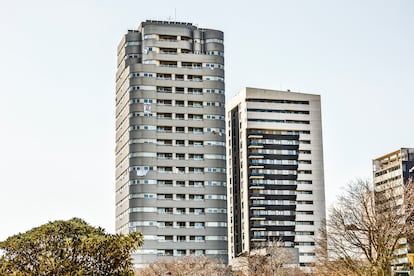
x=275, y=171
x=170, y=142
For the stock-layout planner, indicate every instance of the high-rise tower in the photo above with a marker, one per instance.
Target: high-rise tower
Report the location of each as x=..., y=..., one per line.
x=170, y=140
x=391, y=172
x=275, y=177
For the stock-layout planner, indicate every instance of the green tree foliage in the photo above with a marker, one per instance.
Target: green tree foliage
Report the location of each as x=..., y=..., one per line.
x=70, y=247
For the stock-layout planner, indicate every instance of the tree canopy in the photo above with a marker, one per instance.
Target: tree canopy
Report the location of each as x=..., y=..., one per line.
x=71, y=247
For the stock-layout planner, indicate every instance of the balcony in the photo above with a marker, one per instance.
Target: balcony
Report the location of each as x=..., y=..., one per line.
x=172, y=64
x=197, y=78
x=164, y=89
x=167, y=38
x=168, y=51
x=167, y=156
x=165, y=116
x=164, y=77
x=165, y=129
x=179, y=77
x=164, y=102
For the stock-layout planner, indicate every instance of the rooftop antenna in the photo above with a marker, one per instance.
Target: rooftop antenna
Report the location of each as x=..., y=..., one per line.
x=175, y=14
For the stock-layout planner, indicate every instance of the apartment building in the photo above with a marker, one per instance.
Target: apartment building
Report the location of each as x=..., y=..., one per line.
x=392, y=171
x=275, y=177
x=170, y=140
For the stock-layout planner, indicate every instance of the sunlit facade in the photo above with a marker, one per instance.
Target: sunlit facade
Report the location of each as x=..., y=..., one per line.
x=275, y=171
x=170, y=142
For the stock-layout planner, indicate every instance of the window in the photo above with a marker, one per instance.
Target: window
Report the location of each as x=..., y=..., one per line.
x=196, y=211
x=162, y=142
x=180, y=197
x=180, y=156
x=168, y=51
x=179, y=183
x=167, y=38
x=216, y=224
x=179, y=129
x=196, y=170
x=307, y=202
x=164, y=129
x=166, y=63
x=162, y=155
x=179, y=77
x=167, y=116
x=197, y=252
x=196, y=156
x=195, y=143
x=180, y=169
x=181, y=224
x=132, y=43
x=164, y=102
x=304, y=192
x=222, y=197
x=164, y=182
x=197, y=224
x=179, y=116
x=149, y=61
x=164, y=89
x=215, y=40
x=167, y=252
x=277, y=101
x=196, y=197
x=180, y=211
x=195, y=130
x=165, y=211
x=179, y=90
x=220, y=170
x=195, y=116
x=304, y=212
x=164, y=196
x=197, y=104
x=150, y=36
x=216, y=183
x=216, y=210
x=304, y=223
x=179, y=142
x=163, y=76
x=196, y=183
x=197, y=238
x=132, y=56
x=195, y=91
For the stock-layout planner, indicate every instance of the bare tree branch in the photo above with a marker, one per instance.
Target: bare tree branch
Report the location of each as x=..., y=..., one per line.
x=364, y=229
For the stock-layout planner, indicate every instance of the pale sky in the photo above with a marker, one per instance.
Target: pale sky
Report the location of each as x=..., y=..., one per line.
x=57, y=88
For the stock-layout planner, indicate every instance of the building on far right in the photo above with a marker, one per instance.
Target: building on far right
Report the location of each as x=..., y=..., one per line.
x=392, y=171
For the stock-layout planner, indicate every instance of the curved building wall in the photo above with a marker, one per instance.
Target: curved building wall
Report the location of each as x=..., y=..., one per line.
x=170, y=140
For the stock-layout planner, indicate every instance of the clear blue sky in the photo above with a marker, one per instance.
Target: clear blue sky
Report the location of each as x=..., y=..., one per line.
x=57, y=68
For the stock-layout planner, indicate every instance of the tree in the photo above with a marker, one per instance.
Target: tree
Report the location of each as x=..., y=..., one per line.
x=269, y=260
x=188, y=265
x=364, y=228
x=70, y=247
